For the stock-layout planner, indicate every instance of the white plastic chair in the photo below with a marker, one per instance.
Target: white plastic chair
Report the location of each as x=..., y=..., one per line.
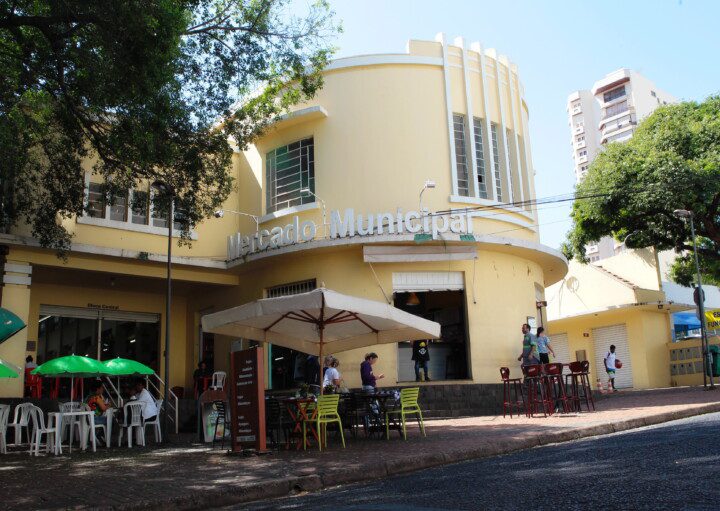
x=20, y=421
x=218, y=380
x=70, y=422
x=39, y=429
x=132, y=420
x=156, y=422
x=4, y=416
x=107, y=427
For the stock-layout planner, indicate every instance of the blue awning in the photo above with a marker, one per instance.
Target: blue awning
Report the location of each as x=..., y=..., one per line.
x=684, y=321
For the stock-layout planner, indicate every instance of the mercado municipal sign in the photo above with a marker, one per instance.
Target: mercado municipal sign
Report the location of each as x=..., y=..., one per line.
x=347, y=224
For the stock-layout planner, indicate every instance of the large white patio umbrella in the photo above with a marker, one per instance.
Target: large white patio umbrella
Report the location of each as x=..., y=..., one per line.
x=319, y=321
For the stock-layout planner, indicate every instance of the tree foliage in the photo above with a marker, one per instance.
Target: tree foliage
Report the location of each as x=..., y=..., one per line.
x=137, y=88
x=632, y=189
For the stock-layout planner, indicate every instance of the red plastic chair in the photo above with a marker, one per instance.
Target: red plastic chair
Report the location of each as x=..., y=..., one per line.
x=511, y=386
x=33, y=385
x=535, y=390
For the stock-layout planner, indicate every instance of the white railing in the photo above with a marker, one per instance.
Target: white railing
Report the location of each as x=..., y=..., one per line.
x=113, y=392
x=158, y=385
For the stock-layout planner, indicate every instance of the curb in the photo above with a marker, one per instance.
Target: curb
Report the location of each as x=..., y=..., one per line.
x=231, y=495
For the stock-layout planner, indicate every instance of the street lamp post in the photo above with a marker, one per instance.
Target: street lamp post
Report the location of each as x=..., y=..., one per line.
x=684, y=213
x=166, y=190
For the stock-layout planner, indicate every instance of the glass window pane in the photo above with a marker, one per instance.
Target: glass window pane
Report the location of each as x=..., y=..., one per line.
x=96, y=200
x=289, y=169
x=118, y=208
x=140, y=204
x=461, y=155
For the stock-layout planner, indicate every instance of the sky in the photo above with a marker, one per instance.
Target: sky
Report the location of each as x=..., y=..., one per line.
x=559, y=47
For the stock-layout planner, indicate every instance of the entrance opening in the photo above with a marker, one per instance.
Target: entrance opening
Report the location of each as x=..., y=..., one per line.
x=449, y=354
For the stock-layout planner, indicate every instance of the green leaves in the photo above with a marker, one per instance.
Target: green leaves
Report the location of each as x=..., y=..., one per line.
x=671, y=162
x=138, y=88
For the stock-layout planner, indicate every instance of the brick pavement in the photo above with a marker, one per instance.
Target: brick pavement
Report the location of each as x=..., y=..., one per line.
x=186, y=476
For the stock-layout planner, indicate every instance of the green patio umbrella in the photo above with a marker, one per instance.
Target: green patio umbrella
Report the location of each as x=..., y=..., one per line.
x=10, y=324
x=72, y=366
x=126, y=367
x=8, y=370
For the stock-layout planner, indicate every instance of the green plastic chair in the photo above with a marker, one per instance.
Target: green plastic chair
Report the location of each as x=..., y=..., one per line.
x=327, y=413
x=408, y=406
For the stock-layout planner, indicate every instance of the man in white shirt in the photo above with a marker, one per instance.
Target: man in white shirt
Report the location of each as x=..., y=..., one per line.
x=149, y=409
x=610, y=366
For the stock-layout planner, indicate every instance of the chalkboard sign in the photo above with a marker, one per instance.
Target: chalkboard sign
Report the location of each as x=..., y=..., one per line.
x=247, y=400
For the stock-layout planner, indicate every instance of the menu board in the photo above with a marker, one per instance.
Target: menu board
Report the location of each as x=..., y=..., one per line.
x=247, y=400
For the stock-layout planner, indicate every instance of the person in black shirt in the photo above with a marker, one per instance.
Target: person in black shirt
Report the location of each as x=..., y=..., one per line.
x=421, y=356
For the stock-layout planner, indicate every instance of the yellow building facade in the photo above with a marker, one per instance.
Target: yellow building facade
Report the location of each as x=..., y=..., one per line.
x=407, y=179
x=620, y=301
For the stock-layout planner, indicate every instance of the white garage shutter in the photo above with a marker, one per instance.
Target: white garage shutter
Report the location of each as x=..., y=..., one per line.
x=603, y=338
x=420, y=281
x=560, y=346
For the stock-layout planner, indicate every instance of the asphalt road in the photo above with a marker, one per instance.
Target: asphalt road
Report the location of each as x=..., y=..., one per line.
x=672, y=466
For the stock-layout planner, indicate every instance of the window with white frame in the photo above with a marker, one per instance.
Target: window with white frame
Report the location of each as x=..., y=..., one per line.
x=294, y=288
x=290, y=169
x=582, y=153
x=132, y=208
x=461, y=159
x=480, y=158
x=496, y=161
x=580, y=138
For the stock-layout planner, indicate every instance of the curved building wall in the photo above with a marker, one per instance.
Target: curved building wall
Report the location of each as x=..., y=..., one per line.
x=381, y=126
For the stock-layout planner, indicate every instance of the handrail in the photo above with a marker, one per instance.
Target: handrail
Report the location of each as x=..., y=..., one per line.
x=116, y=403
x=173, y=404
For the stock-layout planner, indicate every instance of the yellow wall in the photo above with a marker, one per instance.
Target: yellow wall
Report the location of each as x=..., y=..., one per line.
x=504, y=295
x=648, y=333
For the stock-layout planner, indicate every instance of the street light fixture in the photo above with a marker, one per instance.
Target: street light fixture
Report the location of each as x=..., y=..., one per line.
x=308, y=191
x=221, y=213
x=429, y=183
x=684, y=213
x=164, y=189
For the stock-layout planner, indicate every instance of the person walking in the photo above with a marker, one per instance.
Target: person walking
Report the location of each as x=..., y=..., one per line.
x=611, y=365
x=543, y=346
x=421, y=356
x=529, y=355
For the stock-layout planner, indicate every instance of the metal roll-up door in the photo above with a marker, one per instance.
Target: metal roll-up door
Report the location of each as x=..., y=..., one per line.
x=69, y=312
x=605, y=336
x=138, y=317
x=420, y=281
x=560, y=346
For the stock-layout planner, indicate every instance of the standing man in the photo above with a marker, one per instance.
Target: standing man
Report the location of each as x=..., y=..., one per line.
x=529, y=355
x=610, y=360
x=421, y=356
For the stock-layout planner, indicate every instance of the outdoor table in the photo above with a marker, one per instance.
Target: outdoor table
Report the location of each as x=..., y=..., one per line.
x=86, y=419
x=377, y=420
x=297, y=408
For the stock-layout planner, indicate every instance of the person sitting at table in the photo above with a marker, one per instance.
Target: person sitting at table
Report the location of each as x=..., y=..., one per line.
x=332, y=375
x=149, y=409
x=96, y=403
x=369, y=379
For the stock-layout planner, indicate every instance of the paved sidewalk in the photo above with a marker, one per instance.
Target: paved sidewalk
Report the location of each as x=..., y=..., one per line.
x=193, y=476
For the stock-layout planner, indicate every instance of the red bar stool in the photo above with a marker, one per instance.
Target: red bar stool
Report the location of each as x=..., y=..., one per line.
x=511, y=386
x=555, y=387
x=535, y=390
x=579, y=383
